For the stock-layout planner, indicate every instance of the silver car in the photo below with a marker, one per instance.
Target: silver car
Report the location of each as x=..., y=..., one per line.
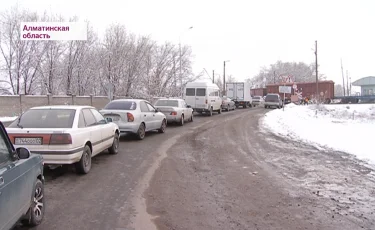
x=135, y=116
x=176, y=110
x=273, y=100
x=258, y=100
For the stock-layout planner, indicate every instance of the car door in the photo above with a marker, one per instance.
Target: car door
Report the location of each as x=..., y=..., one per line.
x=185, y=109
x=146, y=116
x=94, y=130
x=15, y=186
x=154, y=117
x=105, y=127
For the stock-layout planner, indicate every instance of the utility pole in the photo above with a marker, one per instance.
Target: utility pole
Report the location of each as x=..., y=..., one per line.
x=213, y=76
x=343, y=79
x=347, y=83
x=224, y=80
x=316, y=70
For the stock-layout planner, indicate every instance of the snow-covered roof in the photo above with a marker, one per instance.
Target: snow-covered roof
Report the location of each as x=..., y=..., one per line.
x=201, y=84
x=364, y=81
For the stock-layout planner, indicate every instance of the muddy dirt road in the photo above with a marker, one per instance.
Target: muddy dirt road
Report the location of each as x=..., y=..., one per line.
x=220, y=172
x=231, y=174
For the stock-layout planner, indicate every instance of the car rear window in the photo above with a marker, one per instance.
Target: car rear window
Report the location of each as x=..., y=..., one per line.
x=45, y=118
x=190, y=91
x=173, y=103
x=201, y=92
x=121, y=105
x=271, y=97
x=257, y=98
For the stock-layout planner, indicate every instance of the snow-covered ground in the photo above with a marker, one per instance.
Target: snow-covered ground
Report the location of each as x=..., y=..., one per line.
x=7, y=119
x=347, y=128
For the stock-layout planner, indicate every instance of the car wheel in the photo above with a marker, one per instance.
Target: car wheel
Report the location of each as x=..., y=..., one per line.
x=163, y=127
x=116, y=142
x=192, y=117
x=83, y=166
x=182, y=120
x=36, y=211
x=141, y=133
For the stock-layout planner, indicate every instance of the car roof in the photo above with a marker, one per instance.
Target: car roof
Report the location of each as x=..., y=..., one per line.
x=63, y=107
x=129, y=99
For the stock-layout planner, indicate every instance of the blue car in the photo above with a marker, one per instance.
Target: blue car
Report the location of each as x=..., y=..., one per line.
x=21, y=185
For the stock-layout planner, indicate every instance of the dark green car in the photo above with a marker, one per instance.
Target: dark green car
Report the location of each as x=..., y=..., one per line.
x=21, y=185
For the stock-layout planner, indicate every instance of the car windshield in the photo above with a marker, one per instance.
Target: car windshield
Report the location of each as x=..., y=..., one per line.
x=257, y=98
x=121, y=105
x=271, y=97
x=45, y=118
x=173, y=103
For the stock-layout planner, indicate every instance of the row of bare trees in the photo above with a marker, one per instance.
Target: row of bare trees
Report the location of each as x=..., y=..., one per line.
x=300, y=71
x=122, y=63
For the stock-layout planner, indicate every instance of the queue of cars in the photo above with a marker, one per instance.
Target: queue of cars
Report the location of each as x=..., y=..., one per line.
x=72, y=134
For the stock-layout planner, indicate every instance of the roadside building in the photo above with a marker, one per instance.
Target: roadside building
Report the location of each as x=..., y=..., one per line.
x=367, y=85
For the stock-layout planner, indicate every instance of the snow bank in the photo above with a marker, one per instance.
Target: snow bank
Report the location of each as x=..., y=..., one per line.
x=7, y=119
x=347, y=128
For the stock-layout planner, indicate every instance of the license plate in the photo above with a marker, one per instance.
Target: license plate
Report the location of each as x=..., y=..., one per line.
x=28, y=141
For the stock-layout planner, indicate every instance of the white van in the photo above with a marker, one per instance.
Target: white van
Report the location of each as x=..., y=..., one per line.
x=203, y=97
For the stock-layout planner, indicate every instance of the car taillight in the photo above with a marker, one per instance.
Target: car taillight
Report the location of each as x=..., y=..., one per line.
x=174, y=113
x=130, y=117
x=60, y=139
x=206, y=101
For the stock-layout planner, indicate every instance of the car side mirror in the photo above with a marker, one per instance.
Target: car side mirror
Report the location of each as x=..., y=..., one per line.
x=157, y=110
x=108, y=119
x=188, y=106
x=23, y=153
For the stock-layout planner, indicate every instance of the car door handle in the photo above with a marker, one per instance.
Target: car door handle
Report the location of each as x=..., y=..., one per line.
x=1, y=181
x=144, y=115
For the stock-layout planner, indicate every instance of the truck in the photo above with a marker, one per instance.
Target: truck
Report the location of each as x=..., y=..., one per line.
x=239, y=92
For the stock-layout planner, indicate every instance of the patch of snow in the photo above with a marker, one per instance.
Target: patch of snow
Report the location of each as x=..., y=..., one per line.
x=347, y=128
x=7, y=119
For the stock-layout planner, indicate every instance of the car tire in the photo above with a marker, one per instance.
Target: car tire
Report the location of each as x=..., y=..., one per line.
x=35, y=214
x=182, y=121
x=116, y=142
x=163, y=126
x=192, y=117
x=141, y=132
x=83, y=166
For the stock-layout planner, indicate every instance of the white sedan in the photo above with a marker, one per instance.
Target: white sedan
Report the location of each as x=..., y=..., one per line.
x=176, y=110
x=65, y=134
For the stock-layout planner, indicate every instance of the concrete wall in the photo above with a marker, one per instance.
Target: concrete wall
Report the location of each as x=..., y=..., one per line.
x=16, y=104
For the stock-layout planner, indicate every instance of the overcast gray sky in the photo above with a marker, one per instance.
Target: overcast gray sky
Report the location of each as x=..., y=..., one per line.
x=250, y=34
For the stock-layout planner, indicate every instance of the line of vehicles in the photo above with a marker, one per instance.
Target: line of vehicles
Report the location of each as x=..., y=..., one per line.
x=73, y=134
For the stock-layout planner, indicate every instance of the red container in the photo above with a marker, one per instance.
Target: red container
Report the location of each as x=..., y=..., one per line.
x=308, y=89
x=258, y=92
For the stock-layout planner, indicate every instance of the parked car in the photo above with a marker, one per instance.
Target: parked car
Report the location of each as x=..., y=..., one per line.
x=135, y=116
x=175, y=110
x=228, y=104
x=21, y=185
x=65, y=134
x=273, y=100
x=204, y=97
x=258, y=100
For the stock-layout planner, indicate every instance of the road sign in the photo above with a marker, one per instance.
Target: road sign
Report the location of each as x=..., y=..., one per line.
x=285, y=89
x=294, y=86
x=286, y=78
